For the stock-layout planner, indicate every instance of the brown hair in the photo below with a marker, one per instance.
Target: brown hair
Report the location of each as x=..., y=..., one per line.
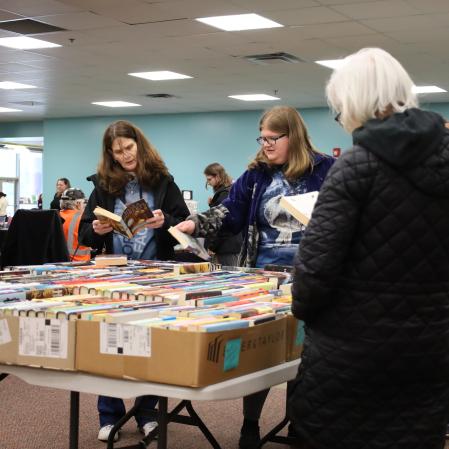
x=287, y=120
x=216, y=169
x=150, y=166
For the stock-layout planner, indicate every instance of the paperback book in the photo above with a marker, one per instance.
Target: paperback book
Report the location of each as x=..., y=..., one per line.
x=300, y=206
x=131, y=221
x=189, y=243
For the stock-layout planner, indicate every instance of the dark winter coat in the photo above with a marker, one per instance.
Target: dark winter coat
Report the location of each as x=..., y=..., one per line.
x=167, y=197
x=372, y=284
x=238, y=212
x=225, y=242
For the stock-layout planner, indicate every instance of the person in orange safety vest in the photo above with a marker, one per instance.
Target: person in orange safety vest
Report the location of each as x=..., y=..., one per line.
x=73, y=202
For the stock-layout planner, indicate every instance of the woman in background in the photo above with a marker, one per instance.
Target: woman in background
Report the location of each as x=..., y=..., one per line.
x=225, y=247
x=3, y=208
x=131, y=169
x=286, y=164
x=371, y=279
x=62, y=184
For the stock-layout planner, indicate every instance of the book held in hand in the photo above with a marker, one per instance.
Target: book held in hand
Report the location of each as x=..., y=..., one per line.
x=300, y=206
x=131, y=221
x=189, y=243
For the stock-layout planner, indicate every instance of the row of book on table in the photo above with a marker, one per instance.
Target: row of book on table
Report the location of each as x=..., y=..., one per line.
x=176, y=323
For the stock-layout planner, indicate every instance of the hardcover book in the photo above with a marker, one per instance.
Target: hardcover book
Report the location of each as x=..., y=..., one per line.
x=131, y=221
x=189, y=243
x=300, y=206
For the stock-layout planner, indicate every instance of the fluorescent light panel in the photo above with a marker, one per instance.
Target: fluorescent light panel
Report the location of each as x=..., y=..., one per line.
x=9, y=110
x=427, y=89
x=13, y=85
x=25, y=43
x=239, y=22
x=254, y=97
x=160, y=75
x=115, y=104
x=331, y=63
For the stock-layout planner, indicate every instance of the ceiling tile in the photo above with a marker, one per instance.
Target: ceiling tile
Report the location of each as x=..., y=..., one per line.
x=386, y=8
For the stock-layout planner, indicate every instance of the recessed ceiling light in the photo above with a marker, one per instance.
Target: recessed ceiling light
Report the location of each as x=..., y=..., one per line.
x=427, y=89
x=115, y=104
x=254, y=97
x=239, y=22
x=25, y=43
x=160, y=75
x=13, y=85
x=9, y=110
x=331, y=63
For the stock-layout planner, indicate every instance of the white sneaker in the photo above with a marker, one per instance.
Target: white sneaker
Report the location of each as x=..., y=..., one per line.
x=103, y=434
x=148, y=427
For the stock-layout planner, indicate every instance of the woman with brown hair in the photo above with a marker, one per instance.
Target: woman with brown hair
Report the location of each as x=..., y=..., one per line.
x=131, y=169
x=286, y=164
x=225, y=247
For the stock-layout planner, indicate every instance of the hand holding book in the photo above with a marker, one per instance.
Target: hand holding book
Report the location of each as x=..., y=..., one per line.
x=187, y=226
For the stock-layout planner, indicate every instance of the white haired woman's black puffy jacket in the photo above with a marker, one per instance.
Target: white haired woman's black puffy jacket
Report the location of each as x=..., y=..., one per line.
x=372, y=284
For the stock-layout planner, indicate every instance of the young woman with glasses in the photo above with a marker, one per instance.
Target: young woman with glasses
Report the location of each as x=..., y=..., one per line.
x=286, y=164
x=131, y=169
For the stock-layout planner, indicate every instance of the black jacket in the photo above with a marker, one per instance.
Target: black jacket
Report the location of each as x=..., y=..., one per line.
x=167, y=197
x=55, y=202
x=225, y=242
x=35, y=237
x=372, y=284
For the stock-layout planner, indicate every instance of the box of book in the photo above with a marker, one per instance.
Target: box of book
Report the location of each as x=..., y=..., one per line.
x=193, y=359
x=295, y=338
x=37, y=342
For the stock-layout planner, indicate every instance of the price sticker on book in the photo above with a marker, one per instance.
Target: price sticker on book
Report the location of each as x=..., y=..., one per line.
x=125, y=339
x=5, y=336
x=41, y=337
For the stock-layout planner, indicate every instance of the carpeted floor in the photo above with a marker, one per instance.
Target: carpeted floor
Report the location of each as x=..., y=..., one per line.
x=37, y=418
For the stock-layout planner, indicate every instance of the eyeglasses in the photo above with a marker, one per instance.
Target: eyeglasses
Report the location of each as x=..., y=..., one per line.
x=269, y=140
x=337, y=118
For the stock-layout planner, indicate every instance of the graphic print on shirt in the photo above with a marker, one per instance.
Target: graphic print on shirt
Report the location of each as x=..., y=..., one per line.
x=277, y=226
x=142, y=245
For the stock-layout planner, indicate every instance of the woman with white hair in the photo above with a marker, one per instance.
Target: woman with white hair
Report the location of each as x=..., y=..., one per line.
x=372, y=273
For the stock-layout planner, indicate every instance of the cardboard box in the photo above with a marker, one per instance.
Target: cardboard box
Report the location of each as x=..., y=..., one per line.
x=192, y=359
x=295, y=338
x=38, y=342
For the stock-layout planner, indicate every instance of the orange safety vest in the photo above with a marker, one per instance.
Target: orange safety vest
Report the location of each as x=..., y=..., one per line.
x=71, y=225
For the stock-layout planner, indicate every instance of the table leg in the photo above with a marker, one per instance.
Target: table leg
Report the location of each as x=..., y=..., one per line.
x=162, y=420
x=74, y=419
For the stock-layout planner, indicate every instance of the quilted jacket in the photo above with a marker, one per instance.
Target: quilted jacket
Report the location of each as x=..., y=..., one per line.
x=371, y=283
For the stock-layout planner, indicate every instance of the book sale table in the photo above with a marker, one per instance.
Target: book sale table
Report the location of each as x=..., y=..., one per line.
x=77, y=383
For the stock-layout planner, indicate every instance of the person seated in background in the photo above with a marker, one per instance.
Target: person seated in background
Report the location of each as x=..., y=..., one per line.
x=225, y=247
x=3, y=207
x=62, y=184
x=72, y=204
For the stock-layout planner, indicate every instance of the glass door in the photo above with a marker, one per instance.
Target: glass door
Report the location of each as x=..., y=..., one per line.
x=9, y=187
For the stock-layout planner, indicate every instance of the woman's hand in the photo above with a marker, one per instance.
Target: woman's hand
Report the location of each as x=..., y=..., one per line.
x=101, y=227
x=157, y=220
x=187, y=226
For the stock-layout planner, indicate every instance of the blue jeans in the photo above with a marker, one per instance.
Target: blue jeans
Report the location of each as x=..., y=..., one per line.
x=112, y=409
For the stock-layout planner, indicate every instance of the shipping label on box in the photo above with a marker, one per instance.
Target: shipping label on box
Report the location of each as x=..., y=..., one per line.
x=125, y=339
x=5, y=335
x=42, y=337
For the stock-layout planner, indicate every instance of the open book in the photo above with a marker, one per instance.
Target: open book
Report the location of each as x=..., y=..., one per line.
x=300, y=206
x=130, y=222
x=189, y=243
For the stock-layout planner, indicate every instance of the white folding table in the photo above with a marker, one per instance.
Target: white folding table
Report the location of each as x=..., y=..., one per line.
x=77, y=383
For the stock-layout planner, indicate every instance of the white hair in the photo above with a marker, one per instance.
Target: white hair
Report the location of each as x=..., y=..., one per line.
x=369, y=84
